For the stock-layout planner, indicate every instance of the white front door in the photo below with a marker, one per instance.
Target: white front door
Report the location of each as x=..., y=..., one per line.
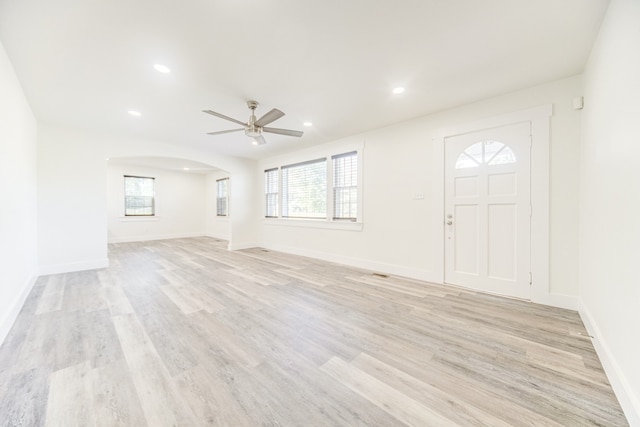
x=488, y=210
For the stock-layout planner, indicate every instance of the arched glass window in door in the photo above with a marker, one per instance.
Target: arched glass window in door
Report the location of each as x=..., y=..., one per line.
x=489, y=152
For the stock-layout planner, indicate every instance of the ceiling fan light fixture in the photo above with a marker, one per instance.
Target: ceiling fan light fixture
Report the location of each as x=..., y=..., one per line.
x=252, y=132
x=161, y=68
x=254, y=143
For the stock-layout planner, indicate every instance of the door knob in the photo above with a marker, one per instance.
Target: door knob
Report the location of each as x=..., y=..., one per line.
x=449, y=222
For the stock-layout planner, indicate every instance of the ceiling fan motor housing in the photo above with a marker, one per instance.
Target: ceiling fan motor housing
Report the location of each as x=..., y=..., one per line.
x=253, y=131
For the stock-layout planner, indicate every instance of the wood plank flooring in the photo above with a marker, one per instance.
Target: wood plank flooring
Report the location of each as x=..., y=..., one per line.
x=185, y=333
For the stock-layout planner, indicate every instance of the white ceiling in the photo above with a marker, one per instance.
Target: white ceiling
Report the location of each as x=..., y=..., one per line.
x=166, y=163
x=331, y=62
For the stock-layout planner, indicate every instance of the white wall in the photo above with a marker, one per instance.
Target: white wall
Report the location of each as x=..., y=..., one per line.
x=399, y=161
x=72, y=203
x=18, y=191
x=217, y=226
x=72, y=210
x=179, y=205
x=610, y=201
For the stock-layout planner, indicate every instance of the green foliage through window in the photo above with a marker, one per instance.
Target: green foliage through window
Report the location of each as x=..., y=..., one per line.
x=301, y=190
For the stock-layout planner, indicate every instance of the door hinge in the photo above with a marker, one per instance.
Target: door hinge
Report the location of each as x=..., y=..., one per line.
x=530, y=279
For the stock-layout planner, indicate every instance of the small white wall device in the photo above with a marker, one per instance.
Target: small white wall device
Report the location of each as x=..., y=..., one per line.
x=578, y=103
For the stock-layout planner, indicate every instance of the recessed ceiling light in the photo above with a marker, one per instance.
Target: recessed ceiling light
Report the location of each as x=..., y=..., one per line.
x=308, y=124
x=162, y=68
x=398, y=90
x=186, y=169
x=134, y=113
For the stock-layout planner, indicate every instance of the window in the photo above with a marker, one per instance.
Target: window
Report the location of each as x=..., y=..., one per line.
x=222, y=199
x=489, y=152
x=139, y=196
x=271, y=192
x=325, y=189
x=304, y=190
x=345, y=186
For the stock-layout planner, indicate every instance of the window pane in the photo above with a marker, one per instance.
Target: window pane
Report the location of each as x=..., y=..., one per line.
x=345, y=186
x=138, y=196
x=222, y=197
x=271, y=192
x=304, y=190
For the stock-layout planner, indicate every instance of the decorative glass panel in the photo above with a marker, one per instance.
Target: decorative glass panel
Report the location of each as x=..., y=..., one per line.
x=491, y=148
x=489, y=152
x=464, y=161
x=503, y=157
x=475, y=152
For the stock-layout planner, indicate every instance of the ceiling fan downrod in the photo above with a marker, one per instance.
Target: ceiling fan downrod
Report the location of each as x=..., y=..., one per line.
x=252, y=130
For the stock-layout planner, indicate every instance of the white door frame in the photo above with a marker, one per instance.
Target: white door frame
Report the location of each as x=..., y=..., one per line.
x=540, y=118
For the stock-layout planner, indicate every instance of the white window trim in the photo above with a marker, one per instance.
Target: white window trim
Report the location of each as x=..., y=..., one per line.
x=131, y=218
x=328, y=222
x=314, y=223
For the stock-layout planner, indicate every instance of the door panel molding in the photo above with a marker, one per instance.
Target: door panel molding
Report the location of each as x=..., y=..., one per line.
x=498, y=235
x=539, y=117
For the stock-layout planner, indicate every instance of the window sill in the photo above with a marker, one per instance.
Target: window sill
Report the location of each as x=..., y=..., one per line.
x=139, y=218
x=315, y=223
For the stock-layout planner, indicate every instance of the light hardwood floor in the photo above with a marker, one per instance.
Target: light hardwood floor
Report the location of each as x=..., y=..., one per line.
x=183, y=332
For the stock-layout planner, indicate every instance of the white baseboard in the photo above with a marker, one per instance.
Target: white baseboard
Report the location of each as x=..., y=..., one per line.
x=73, y=266
x=146, y=238
x=12, y=314
x=217, y=236
x=557, y=300
x=628, y=400
x=554, y=300
x=246, y=245
x=381, y=267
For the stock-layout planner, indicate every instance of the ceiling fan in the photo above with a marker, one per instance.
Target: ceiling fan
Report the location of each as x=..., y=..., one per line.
x=254, y=128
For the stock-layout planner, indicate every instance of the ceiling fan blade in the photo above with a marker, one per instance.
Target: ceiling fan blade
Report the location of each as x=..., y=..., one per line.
x=260, y=140
x=222, y=116
x=271, y=116
x=287, y=132
x=224, y=131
